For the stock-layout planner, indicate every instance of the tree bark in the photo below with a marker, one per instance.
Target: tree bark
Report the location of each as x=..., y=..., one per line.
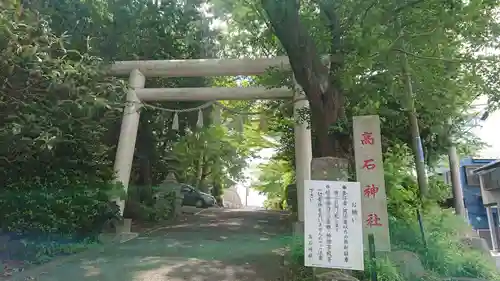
x=319, y=82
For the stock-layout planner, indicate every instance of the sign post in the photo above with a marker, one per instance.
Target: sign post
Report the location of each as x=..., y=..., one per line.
x=370, y=174
x=333, y=227
x=373, y=258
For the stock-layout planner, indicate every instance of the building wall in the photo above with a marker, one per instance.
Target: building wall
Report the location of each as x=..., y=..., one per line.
x=476, y=211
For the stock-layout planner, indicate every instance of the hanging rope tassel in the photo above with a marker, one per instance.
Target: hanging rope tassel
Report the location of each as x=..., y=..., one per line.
x=199, y=123
x=175, y=122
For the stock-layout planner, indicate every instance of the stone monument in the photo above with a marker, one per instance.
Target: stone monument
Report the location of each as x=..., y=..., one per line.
x=169, y=186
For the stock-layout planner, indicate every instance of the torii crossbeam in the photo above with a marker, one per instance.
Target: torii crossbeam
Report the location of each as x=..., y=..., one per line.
x=138, y=71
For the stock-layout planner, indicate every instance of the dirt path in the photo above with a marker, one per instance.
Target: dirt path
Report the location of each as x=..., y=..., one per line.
x=216, y=245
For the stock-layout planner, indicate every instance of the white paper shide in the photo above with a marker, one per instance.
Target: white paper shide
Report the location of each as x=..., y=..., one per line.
x=333, y=225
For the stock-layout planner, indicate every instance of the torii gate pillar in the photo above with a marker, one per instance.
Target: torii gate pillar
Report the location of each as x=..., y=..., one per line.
x=139, y=70
x=303, y=150
x=128, y=134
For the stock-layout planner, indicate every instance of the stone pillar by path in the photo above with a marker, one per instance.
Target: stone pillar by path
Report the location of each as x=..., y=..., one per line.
x=330, y=169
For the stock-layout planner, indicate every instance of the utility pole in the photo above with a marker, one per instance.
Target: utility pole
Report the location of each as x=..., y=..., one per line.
x=418, y=150
x=456, y=185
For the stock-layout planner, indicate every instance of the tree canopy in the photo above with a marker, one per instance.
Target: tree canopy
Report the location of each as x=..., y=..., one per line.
x=448, y=52
x=61, y=112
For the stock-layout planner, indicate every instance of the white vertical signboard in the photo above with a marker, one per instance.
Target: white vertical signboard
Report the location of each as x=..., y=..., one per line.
x=333, y=229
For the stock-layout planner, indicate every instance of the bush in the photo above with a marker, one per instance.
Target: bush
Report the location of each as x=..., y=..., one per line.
x=276, y=203
x=403, y=196
x=164, y=207
x=57, y=107
x=386, y=270
x=299, y=271
x=147, y=204
x=445, y=255
x=43, y=249
x=78, y=210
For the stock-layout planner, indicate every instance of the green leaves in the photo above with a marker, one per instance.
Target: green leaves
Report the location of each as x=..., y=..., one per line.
x=442, y=42
x=55, y=166
x=213, y=155
x=273, y=178
x=80, y=210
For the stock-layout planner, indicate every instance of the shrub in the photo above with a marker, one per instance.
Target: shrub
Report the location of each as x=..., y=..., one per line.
x=299, y=271
x=386, y=271
x=147, y=204
x=403, y=198
x=43, y=249
x=77, y=210
x=444, y=256
x=164, y=206
x=57, y=106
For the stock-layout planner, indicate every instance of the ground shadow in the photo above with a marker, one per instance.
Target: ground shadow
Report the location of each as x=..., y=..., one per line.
x=215, y=246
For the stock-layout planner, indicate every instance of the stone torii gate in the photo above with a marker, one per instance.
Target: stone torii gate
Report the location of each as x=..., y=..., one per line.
x=138, y=71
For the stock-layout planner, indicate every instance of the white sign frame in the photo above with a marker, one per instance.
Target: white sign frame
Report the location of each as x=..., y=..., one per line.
x=333, y=225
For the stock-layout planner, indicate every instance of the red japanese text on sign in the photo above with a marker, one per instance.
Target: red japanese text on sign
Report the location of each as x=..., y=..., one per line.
x=367, y=138
x=369, y=165
x=370, y=191
x=370, y=173
x=373, y=220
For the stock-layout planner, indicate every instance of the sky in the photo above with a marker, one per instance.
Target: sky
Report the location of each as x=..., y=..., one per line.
x=254, y=198
x=489, y=134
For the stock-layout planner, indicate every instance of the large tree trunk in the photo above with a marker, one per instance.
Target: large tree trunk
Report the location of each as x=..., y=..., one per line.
x=318, y=80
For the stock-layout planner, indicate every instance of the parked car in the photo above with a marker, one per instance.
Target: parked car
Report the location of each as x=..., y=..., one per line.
x=196, y=198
